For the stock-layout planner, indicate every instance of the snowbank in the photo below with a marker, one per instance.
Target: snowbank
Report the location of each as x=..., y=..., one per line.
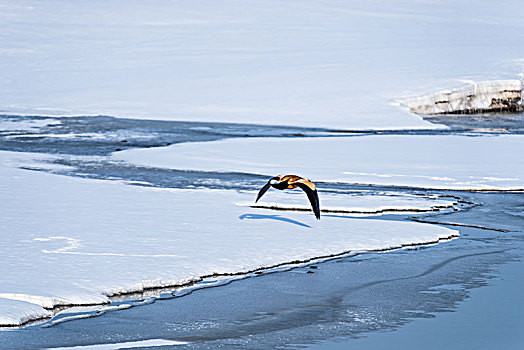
x=486, y=96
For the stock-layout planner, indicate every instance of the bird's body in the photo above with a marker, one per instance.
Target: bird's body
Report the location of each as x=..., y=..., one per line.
x=286, y=182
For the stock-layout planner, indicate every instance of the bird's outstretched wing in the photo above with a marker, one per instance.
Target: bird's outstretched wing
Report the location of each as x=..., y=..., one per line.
x=263, y=190
x=312, y=195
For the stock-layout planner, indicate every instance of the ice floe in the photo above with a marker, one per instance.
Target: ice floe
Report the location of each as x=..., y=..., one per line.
x=354, y=204
x=73, y=241
x=440, y=162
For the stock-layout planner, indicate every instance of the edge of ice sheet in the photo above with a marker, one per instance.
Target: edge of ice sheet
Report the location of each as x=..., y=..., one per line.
x=485, y=96
x=17, y=313
x=347, y=210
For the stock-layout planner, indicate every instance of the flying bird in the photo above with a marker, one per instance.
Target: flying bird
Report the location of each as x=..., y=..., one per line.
x=286, y=182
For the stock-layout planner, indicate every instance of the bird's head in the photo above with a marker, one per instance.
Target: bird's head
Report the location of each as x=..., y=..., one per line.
x=274, y=180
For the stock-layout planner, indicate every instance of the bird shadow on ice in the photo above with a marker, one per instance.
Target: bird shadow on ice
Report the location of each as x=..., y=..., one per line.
x=272, y=217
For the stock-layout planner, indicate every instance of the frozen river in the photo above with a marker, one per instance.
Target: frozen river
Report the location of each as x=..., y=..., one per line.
x=134, y=138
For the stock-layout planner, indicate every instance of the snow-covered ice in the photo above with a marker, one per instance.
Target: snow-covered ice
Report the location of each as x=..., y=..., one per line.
x=336, y=64
x=362, y=203
x=443, y=162
x=77, y=241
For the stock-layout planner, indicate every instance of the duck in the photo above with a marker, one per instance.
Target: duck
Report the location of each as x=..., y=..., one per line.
x=287, y=182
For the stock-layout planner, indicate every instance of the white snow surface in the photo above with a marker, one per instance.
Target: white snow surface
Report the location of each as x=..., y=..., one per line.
x=68, y=240
x=440, y=162
x=337, y=64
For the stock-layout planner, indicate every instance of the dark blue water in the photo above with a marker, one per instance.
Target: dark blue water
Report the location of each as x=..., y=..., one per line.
x=490, y=318
x=102, y=135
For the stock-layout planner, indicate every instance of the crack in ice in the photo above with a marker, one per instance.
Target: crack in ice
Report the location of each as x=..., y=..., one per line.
x=75, y=243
